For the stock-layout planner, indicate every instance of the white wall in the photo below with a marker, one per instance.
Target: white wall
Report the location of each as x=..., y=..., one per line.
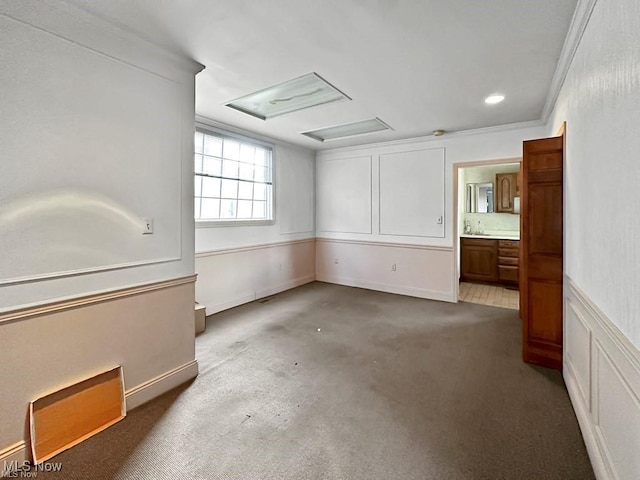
x=433, y=250
x=600, y=101
x=94, y=128
x=237, y=264
x=96, y=133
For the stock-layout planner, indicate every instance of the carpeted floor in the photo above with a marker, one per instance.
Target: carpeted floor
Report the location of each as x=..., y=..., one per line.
x=332, y=382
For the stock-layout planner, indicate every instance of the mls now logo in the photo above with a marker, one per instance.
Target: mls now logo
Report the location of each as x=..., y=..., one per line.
x=16, y=469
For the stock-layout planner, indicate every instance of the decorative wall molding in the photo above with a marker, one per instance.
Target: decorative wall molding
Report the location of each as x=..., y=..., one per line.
x=602, y=374
x=85, y=271
x=281, y=287
x=422, y=271
x=248, y=248
x=81, y=20
x=388, y=288
x=578, y=25
x=94, y=298
x=385, y=244
x=10, y=455
x=439, y=141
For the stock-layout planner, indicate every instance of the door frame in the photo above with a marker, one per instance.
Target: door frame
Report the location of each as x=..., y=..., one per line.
x=456, y=213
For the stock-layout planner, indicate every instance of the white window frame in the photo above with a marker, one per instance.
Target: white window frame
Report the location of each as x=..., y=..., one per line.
x=271, y=203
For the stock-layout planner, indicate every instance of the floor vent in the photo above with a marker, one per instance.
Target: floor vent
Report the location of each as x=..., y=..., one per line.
x=64, y=418
x=267, y=299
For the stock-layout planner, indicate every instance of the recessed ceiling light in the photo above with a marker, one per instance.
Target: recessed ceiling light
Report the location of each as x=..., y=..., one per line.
x=303, y=92
x=347, y=130
x=493, y=99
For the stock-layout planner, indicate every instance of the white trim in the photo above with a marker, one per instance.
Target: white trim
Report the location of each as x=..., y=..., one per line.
x=606, y=343
x=387, y=288
x=432, y=138
x=296, y=282
x=155, y=387
x=386, y=244
x=13, y=453
x=206, y=122
x=247, y=248
x=258, y=294
x=81, y=18
x=61, y=304
x=586, y=427
x=236, y=302
x=578, y=25
x=85, y=271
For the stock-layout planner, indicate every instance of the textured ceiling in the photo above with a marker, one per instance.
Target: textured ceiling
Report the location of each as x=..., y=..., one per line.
x=419, y=65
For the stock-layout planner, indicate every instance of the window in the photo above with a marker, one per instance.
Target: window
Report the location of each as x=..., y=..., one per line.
x=233, y=178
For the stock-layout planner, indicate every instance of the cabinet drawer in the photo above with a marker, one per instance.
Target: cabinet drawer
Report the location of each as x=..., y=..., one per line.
x=478, y=242
x=508, y=261
x=508, y=273
x=508, y=252
x=509, y=243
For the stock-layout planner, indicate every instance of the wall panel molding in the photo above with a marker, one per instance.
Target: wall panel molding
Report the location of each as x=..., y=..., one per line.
x=8, y=456
x=249, y=248
x=415, y=270
x=385, y=244
x=605, y=392
x=252, y=272
x=94, y=298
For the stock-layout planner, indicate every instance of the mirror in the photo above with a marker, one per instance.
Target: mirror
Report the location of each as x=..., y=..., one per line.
x=479, y=198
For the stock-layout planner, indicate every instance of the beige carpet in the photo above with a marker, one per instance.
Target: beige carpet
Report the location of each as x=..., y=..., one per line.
x=331, y=382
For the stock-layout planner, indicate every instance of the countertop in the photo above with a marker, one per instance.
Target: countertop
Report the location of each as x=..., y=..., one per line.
x=495, y=234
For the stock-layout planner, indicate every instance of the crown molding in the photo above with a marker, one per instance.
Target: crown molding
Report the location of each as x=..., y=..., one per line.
x=439, y=140
x=578, y=25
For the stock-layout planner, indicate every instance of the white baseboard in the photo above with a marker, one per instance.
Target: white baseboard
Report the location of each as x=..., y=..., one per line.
x=219, y=307
x=160, y=384
x=236, y=302
x=602, y=373
x=296, y=282
x=12, y=457
x=398, y=289
x=586, y=428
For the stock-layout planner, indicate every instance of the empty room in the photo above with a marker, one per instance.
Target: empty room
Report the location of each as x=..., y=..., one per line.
x=331, y=240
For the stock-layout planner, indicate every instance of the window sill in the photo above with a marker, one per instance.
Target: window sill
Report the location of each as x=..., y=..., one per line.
x=232, y=223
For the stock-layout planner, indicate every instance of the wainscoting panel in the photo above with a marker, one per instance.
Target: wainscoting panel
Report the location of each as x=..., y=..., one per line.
x=148, y=329
x=414, y=270
x=602, y=373
x=230, y=277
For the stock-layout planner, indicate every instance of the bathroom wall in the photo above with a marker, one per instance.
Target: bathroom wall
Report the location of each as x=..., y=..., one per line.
x=488, y=221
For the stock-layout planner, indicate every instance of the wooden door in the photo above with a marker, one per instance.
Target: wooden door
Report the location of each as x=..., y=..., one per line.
x=541, y=252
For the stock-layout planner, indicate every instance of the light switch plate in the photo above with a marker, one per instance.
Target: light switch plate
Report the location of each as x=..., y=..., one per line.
x=147, y=227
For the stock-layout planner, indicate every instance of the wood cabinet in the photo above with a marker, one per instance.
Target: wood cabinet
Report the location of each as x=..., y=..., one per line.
x=478, y=260
x=506, y=189
x=488, y=260
x=508, y=261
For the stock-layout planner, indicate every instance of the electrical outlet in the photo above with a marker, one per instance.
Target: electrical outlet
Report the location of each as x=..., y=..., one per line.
x=393, y=267
x=147, y=226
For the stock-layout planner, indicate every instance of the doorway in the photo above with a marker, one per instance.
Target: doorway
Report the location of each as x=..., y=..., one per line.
x=487, y=231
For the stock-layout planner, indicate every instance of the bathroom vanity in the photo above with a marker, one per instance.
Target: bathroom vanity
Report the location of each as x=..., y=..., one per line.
x=490, y=259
